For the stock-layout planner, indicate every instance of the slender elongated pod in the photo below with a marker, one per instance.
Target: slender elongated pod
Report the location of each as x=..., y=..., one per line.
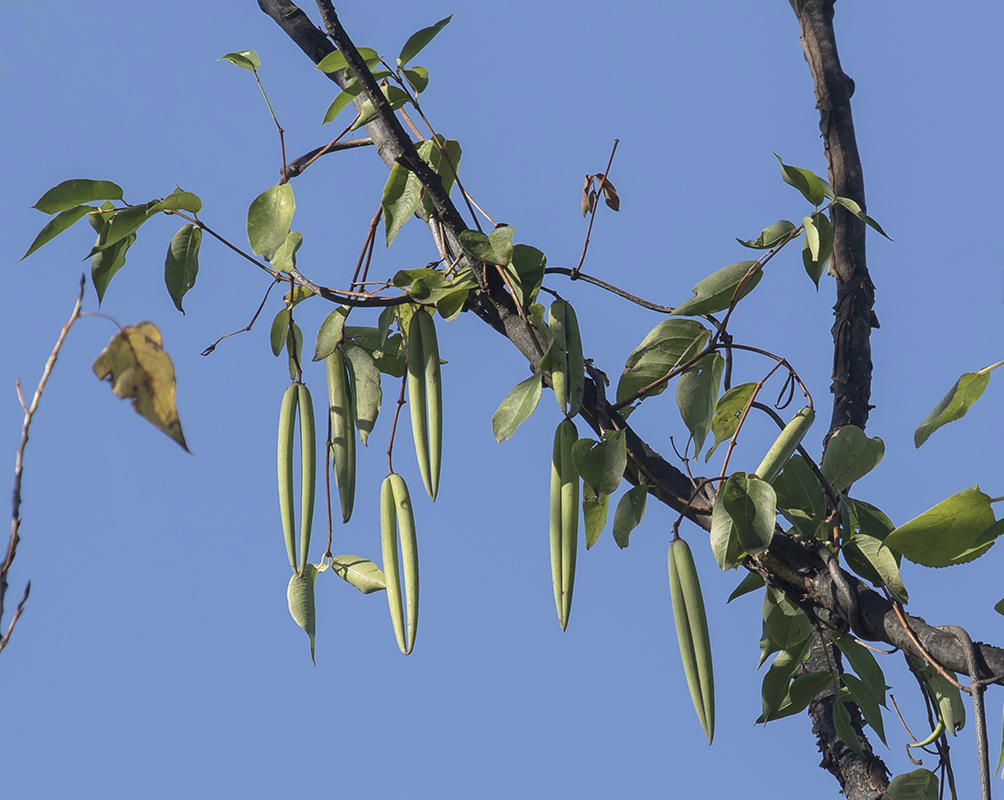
x=397, y=523
x=564, y=524
x=342, y=408
x=425, y=398
x=308, y=471
x=692, y=633
x=785, y=445
x=287, y=420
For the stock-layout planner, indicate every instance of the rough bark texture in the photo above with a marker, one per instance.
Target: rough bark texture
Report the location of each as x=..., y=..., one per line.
x=800, y=572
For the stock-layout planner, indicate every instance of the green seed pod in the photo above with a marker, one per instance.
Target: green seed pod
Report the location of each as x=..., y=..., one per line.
x=692, y=632
x=785, y=445
x=564, y=523
x=567, y=370
x=287, y=418
x=341, y=405
x=308, y=471
x=425, y=397
x=396, y=515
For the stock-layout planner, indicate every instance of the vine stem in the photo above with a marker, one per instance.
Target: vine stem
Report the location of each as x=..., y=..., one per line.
x=15, y=516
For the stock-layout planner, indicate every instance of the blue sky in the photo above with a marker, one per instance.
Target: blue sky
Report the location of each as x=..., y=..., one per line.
x=156, y=657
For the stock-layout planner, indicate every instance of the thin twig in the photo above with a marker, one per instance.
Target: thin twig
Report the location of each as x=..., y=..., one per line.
x=580, y=276
x=15, y=516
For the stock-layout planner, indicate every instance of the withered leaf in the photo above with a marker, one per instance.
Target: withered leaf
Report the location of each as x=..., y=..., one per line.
x=138, y=369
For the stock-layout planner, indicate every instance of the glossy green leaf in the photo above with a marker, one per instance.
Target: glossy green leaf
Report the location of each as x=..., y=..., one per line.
x=776, y=686
x=69, y=194
x=866, y=701
x=750, y=503
x=750, y=583
x=850, y=455
x=107, y=261
x=181, y=267
x=492, y=248
x=335, y=61
x=342, y=100
x=245, y=59
x=278, y=331
x=330, y=333
x=727, y=413
x=864, y=664
x=529, y=264
x=813, y=188
x=362, y=573
x=771, y=236
x=717, y=291
x=402, y=195
x=843, y=727
x=601, y=464
x=787, y=624
x=697, y=396
x=952, y=532
x=594, y=513
x=629, y=513
x=817, y=246
x=668, y=345
x=418, y=78
x=55, y=226
x=284, y=257
x=418, y=40
x=873, y=561
x=179, y=200
x=920, y=784
x=516, y=408
x=300, y=596
x=855, y=209
x=366, y=391
x=954, y=405
x=396, y=98
x=121, y=225
x=724, y=540
x=798, y=695
x=797, y=487
x=269, y=218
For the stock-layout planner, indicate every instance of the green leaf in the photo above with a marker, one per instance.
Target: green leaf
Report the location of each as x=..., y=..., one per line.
x=850, y=455
x=123, y=224
x=245, y=59
x=362, y=573
x=999, y=607
x=716, y=292
x=335, y=61
x=813, y=188
x=418, y=79
x=952, y=532
x=493, y=248
x=666, y=346
x=518, y=405
x=300, y=596
x=954, y=405
x=865, y=665
x=417, y=41
x=179, y=200
x=775, y=690
x=594, y=513
x=529, y=263
x=786, y=623
x=750, y=583
x=697, y=395
x=724, y=541
x=444, y=165
x=366, y=391
x=855, y=209
x=402, y=195
x=106, y=261
x=284, y=257
x=797, y=487
x=873, y=561
x=750, y=503
x=727, y=413
x=867, y=702
x=920, y=784
x=181, y=267
x=842, y=724
x=817, y=246
x=69, y=194
x=629, y=513
x=601, y=464
x=798, y=695
x=278, y=331
x=395, y=97
x=269, y=218
x=330, y=333
x=771, y=236
x=56, y=226
x=342, y=100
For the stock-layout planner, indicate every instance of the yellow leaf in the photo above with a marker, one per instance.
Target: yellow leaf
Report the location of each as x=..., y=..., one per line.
x=138, y=369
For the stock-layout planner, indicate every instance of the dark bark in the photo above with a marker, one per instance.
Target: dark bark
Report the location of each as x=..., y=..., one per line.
x=800, y=572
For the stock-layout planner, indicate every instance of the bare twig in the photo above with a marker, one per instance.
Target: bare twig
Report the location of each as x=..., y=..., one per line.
x=15, y=515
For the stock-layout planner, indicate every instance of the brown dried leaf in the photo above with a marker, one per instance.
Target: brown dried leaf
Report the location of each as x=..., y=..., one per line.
x=588, y=196
x=138, y=369
x=610, y=195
